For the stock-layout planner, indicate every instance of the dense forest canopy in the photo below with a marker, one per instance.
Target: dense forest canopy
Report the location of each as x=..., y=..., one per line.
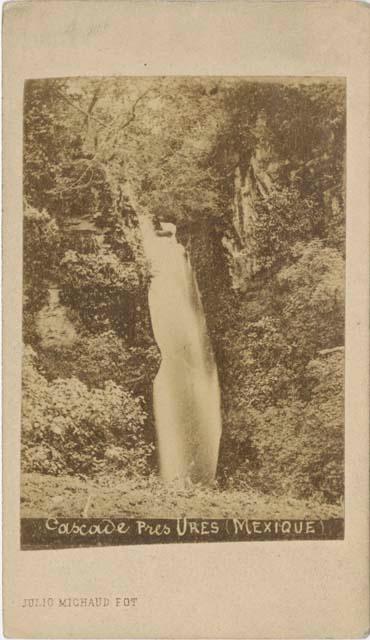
x=252, y=174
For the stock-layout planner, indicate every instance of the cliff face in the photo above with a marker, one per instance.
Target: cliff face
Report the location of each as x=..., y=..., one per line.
x=209, y=260
x=53, y=327
x=224, y=249
x=249, y=184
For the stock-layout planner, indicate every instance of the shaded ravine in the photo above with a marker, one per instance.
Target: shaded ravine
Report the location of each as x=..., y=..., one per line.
x=186, y=391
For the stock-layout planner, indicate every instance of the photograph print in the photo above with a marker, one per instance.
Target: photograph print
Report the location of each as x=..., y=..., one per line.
x=183, y=310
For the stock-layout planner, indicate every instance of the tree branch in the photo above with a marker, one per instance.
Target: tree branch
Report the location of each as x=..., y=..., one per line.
x=133, y=109
x=325, y=352
x=111, y=130
x=75, y=185
x=131, y=118
x=95, y=97
x=78, y=108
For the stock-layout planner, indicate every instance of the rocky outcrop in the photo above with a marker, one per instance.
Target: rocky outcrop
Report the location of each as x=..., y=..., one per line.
x=250, y=183
x=53, y=326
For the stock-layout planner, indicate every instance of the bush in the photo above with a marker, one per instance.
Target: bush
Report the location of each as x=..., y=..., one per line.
x=94, y=359
x=295, y=448
x=103, y=289
x=312, y=297
x=283, y=218
x=300, y=451
x=259, y=362
x=69, y=428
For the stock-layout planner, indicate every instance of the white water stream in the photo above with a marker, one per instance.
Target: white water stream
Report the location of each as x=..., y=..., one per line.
x=186, y=391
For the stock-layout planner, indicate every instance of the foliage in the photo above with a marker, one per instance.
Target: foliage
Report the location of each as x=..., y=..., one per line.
x=67, y=427
x=40, y=254
x=40, y=257
x=296, y=448
x=283, y=218
x=260, y=359
x=283, y=428
x=103, y=289
x=43, y=238
x=60, y=171
x=312, y=297
x=96, y=358
x=98, y=153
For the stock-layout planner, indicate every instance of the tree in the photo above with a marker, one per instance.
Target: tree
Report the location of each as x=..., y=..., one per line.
x=312, y=298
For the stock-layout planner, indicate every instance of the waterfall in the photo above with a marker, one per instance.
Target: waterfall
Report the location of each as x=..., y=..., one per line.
x=186, y=391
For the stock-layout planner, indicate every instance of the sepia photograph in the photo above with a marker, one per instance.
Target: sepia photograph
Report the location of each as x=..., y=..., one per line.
x=183, y=309
x=186, y=319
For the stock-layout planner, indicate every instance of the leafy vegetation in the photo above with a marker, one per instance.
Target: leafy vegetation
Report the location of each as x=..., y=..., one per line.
x=70, y=428
x=252, y=173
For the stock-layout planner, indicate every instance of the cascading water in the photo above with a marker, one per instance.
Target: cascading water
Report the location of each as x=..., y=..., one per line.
x=186, y=391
